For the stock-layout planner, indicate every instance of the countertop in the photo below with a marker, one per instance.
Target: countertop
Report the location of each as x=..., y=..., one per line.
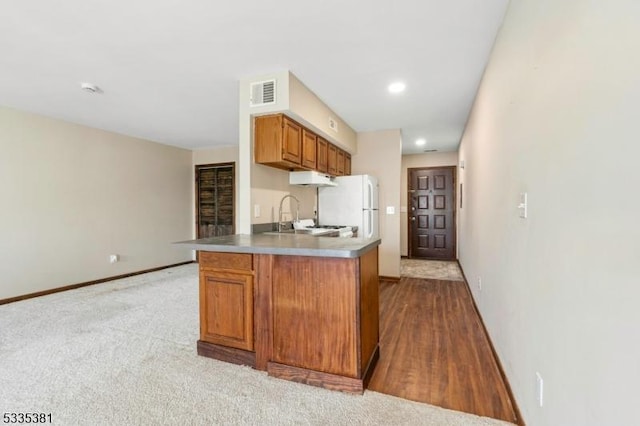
x=285, y=244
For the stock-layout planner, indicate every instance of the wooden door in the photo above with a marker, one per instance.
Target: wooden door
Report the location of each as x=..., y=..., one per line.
x=291, y=140
x=432, y=200
x=309, y=149
x=215, y=199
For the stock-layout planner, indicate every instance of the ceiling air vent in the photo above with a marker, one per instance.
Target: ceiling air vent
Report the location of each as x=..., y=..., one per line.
x=263, y=93
x=430, y=150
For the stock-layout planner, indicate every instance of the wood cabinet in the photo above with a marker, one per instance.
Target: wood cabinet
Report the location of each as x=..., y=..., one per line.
x=226, y=299
x=340, y=162
x=278, y=142
x=283, y=143
x=309, y=149
x=332, y=160
x=308, y=319
x=215, y=189
x=321, y=157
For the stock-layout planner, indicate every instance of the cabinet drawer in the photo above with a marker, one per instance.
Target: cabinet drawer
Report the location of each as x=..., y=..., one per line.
x=219, y=260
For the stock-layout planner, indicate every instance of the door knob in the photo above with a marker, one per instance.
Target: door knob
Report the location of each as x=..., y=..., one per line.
x=413, y=218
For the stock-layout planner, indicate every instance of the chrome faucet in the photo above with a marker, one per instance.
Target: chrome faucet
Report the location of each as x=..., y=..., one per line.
x=280, y=223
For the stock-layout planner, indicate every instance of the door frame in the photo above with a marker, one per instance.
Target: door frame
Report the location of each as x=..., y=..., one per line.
x=454, y=170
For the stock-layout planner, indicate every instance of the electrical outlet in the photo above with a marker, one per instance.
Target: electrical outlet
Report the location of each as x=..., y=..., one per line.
x=539, y=389
x=113, y=258
x=479, y=283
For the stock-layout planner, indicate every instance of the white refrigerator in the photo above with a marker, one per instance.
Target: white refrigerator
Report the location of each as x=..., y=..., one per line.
x=353, y=202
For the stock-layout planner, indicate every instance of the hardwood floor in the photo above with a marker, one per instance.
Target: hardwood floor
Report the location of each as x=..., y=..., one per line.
x=433, y=349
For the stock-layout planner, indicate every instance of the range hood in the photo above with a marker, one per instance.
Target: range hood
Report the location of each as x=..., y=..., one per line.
x=311, y=178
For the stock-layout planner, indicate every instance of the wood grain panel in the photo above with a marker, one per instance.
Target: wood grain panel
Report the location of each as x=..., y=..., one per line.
x=423, y=221
x=423, y=182
x=226, y=308
x=316, y=378
x=439, y=241
x=314, y=314
x=369, y=308
x=439, y=202
x=292, y=140
x=224, y=353
x=332, y=159
x=339, y=162
x=231, y=261
x=268, y=138
x=309, y=149
x=423, y=202
x=423, y=241
x=439, y=182
x=433, y=349
x=439, y=221
x=321, y=161
x=347, y=164
x=263, y=323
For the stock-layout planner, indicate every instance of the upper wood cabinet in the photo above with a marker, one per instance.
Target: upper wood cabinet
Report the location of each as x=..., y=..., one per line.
x=278, y=142
x=340, y=162
x=281, y=142
x=321, y=157
x=309, y=149
x=347, y=164
x=332, y=160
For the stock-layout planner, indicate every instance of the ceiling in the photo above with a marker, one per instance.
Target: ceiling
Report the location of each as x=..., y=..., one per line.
x=169, y=69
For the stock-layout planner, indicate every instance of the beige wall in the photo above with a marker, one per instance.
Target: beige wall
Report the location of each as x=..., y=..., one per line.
x=556, y=116
x=251, y=174
x=311, y=111
x=431, y=159
x=261, y=187
x=73, y=195
x=379, y=154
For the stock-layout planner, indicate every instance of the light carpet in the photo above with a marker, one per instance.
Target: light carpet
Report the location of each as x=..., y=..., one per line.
x=431, y=269
x=124, y=353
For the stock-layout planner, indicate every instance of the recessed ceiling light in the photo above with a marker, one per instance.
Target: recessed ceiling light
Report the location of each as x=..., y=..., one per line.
x=90, y=88
x=420, y=142
x=397, y=87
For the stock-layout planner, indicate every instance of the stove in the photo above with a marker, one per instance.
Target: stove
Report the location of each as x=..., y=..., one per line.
x=331, y=230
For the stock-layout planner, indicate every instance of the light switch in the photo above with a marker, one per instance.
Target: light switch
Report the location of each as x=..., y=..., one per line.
x=391, y=210
x=522, y=206
x=256, y=210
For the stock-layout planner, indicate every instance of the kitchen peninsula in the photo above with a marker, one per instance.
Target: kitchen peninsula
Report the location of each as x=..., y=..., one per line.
x=302, y=308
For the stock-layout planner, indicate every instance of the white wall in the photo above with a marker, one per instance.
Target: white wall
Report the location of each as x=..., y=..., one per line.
x=430, y=159
x=73, y=195
x=556, y=116
x=379, y=154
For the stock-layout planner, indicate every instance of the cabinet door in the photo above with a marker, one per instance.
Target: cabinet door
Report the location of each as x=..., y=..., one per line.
x=226, y=309
x=309, y=149
x=332, y=160
x=321, y=157
x=340, y=162
x=347, y=164
x=291, y=140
